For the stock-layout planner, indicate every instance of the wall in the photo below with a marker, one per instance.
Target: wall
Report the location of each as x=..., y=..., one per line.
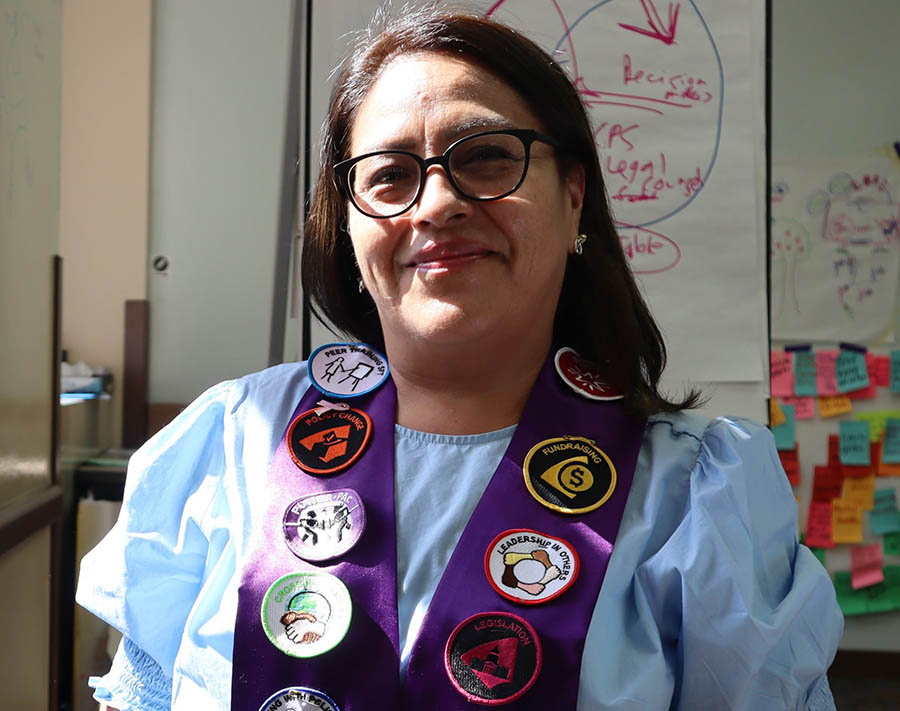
x=104, y=176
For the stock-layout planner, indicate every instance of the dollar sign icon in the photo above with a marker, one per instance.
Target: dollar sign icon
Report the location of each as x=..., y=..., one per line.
x=569, y=476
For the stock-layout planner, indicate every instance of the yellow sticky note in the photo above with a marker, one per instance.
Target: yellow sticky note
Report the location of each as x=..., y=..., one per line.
x=834, y=405
x=776, y=414
x=861, y=490
x=846, y=521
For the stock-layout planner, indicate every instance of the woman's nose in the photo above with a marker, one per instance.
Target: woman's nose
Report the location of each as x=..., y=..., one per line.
x=439, y=202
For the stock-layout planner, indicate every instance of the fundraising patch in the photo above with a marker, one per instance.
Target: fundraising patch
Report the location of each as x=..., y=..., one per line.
x=583, y=376
x=299, y=698
x=347, y=369
x=530, y=567
x=324, y=526
x=306, y=614
x=327, y=442
x=569, y=474
x=493, y=658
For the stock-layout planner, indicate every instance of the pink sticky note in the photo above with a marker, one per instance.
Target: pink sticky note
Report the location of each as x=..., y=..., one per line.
x=782, y=374
x=826, y=380
x=882, y=371
x=818, y=525
x=804, y=407
x=866, y=565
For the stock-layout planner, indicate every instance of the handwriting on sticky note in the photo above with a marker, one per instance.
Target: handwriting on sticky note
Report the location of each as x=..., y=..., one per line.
x=892, y=544
x=866, y=565
x=890, y=447
x=884, y=469
x=776, y=414
x=870, y=391
x=790, y=462
x=805, y=373
x=877, y=420
x=827, y=483
x=785, y=433
x=884, y=517
x=782, y=374
x=861, y=490
x=846, y=521
x=895, y=371
x=834, y=405
x=855, y=443
x=804, y=407
x=882, y=371
x=851, y=372
x=818, y=525
x=826, y=378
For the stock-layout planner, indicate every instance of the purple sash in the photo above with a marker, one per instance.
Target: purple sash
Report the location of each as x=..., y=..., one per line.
x=361, y=673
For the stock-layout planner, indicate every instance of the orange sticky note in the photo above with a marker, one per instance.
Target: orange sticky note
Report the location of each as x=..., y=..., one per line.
x=846, y=521
x=834, y=405
x=860, y=490
x=776, y=414
x=883, y=469
x=866, y=565
x=818, y=525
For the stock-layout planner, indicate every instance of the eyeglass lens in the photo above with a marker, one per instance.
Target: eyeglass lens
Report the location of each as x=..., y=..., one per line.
x=482, y=167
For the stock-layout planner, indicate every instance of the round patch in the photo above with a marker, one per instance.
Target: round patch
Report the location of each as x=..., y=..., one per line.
x=530, y=567
x=347, y=369
x=583, y=376
x=306, y=614
x=569, y=474
x=328, y=443
x=493, y=658
x=324, y=526
x=299, y=698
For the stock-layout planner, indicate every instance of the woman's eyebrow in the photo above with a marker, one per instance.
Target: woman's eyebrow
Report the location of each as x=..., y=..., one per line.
x=448, y=135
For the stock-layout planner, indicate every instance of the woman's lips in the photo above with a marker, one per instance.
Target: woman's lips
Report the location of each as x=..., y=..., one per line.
x=447, y=257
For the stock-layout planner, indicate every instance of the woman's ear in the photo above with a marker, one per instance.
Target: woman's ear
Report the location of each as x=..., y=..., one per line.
x=574, y=184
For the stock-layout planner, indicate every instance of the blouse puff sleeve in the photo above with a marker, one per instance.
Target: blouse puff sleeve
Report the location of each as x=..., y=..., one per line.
x=759, y=621
x=144, y=576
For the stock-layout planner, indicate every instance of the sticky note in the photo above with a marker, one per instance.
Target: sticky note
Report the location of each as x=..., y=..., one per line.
x=818, y=525
x=882, y=597
x=834, y=405
x=785, y=433
x=804, y=407
x=884, y=517
x=850, y=370
x=882, y=468
x=846, y=521
x=782, y=364
x=854, y=443
x=882, y=371
x=895, y=371
x=877, y=420
x=776, y=414
x=890, y=447
x=791, y=464
x=827, y=483
x=826, y=378
x=866, y=565
x=870, y=391
x=861, y=490
x=834, y=450
x=892, y=544
x=805, y=373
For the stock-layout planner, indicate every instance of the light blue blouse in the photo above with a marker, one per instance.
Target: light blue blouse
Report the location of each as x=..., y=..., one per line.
x=708, y=602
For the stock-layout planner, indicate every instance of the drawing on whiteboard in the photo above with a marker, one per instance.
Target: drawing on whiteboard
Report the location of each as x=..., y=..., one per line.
x=790, y=246
x=664, y=32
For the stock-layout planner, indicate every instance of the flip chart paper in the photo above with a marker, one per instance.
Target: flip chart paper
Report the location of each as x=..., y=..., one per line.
x=834, y=405
x=890, y=447
x=846, y=521
x=883, y=597
x=851, y=372
x=855, y=443
x=818, y=525
x=785, y=433
x=804, y=407
x=782, y=383
x=826, y=378
x=861, y=490
x=866, y=565
x=804, y=373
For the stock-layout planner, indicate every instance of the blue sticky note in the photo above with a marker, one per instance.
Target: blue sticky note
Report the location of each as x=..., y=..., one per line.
x=884, y=517
x=890, y=449
x=785, y=433
x=850, y=370
x=805, y=373
x=855, y=443
x=895, y=371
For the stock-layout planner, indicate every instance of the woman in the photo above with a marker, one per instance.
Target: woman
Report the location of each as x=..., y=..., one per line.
x=460, y=226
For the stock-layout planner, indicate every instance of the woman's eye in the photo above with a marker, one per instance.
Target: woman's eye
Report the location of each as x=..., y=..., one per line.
x=487, y=153
x=371, y=178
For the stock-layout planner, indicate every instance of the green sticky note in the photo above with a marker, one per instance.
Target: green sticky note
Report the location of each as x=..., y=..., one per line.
x=855, y=443
x=819, y=553
x=805, y=373
x=891, y=544
x=890, y=450
x=850, y=370
x=883, y=597
x=785, y=433
x=877, y=420
x=895, y=371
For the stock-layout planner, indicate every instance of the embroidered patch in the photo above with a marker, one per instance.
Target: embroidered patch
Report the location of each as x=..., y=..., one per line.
x=299, y=698
x=583, y=376
x=324, y=526
x=329, y=442
x=569, y=474
x=347, y=369
x=493, y=658
x=306, y=614
x=530, y=567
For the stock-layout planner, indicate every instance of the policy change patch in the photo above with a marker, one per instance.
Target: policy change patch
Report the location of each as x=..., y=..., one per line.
x=493, y=658
x=329, y=442
x=324, y=526
x=299, y=698
x=347, y=369
x=530, y=567
x=306, y=614
x=569, y=474
x=583, y=376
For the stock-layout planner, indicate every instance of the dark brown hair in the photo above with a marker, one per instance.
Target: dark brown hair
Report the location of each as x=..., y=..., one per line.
x=601, y=313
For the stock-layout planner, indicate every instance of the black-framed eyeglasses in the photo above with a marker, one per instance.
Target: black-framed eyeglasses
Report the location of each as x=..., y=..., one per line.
x=483, y=166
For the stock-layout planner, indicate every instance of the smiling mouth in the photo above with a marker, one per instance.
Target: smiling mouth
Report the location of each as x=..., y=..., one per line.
x=449, y=259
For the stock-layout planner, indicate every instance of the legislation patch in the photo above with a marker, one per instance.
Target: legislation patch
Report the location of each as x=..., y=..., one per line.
x=324, y=526
x=583, y=376
x=347, y=369
x=530, y=567
x=327, y=442
x=299, y=698
x=306, y=614
x=493, y=658
x=569, y=474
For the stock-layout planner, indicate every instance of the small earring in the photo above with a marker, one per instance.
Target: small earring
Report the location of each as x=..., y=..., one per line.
x=579, y=243
x=362, y=287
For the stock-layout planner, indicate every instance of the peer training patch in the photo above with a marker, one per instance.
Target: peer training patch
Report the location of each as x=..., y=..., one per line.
x=345, y=370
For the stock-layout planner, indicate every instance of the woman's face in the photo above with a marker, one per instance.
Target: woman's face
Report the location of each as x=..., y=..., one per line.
x=450, y=270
